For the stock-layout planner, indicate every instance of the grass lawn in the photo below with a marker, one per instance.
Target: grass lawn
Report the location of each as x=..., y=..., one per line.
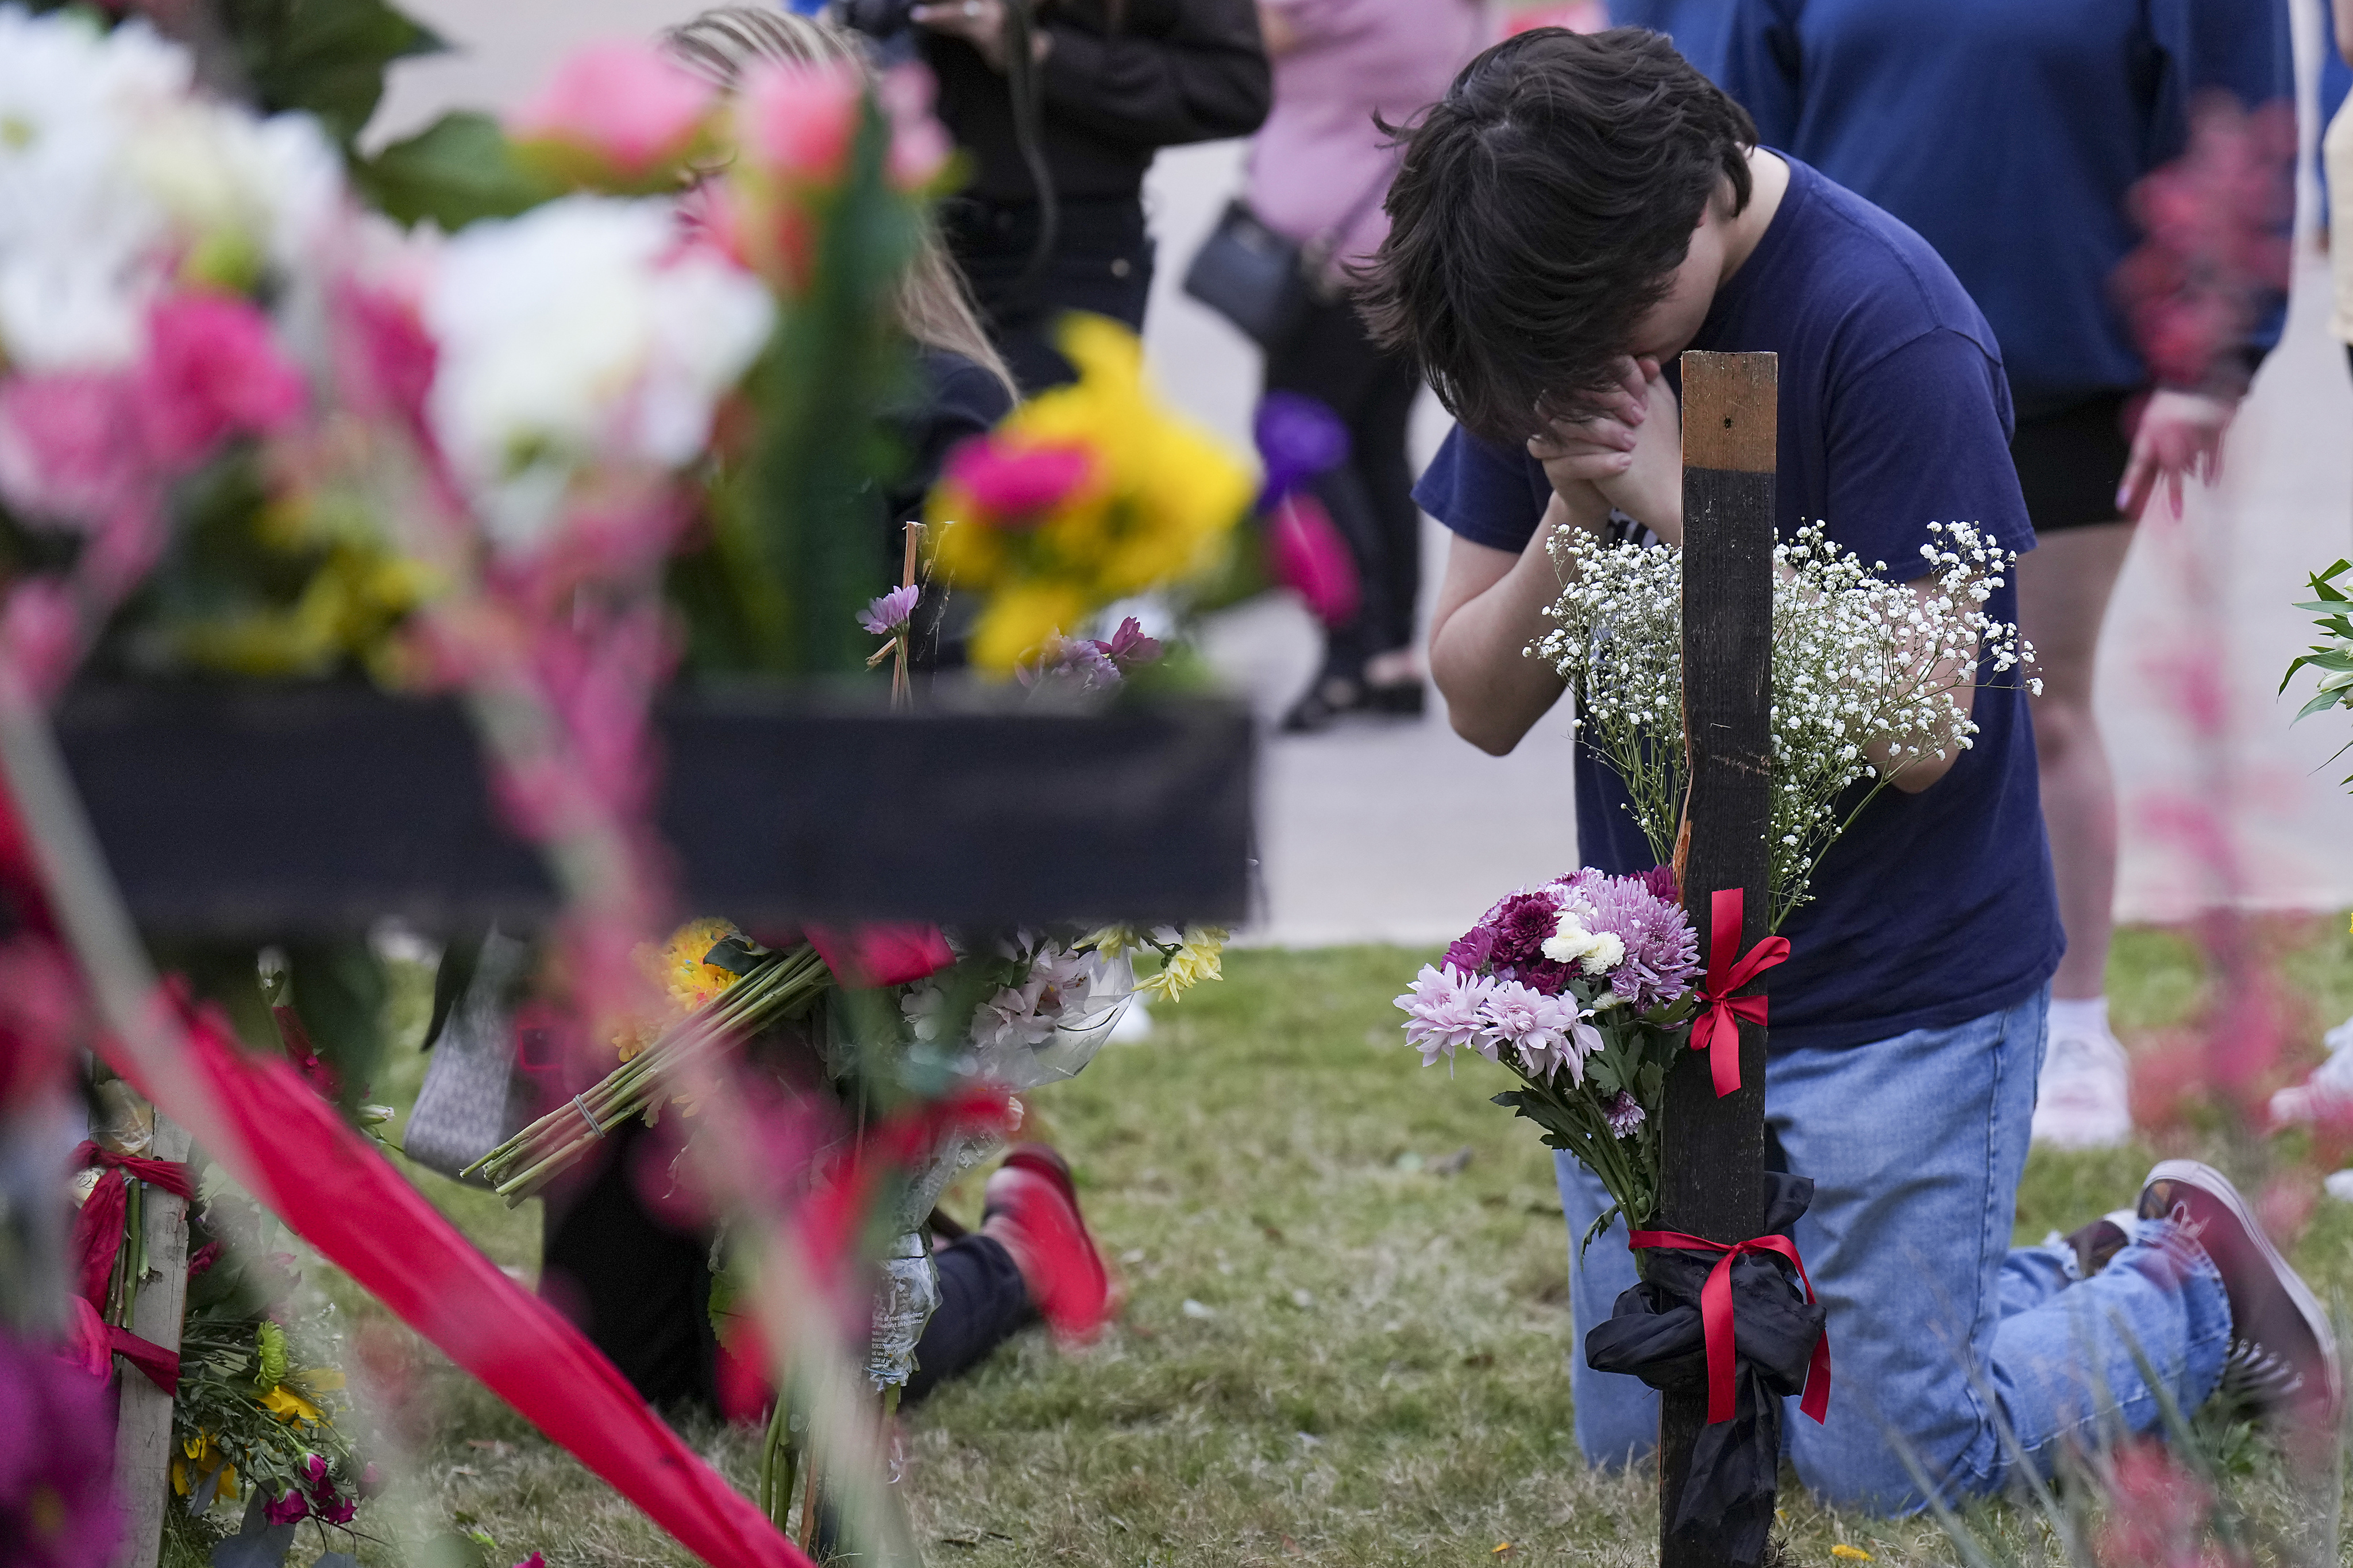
x=1347, y=1335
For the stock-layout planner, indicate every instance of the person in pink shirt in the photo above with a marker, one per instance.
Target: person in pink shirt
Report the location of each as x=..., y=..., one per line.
x=1319, y=169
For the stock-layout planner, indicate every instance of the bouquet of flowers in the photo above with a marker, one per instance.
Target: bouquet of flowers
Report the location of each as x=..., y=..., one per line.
x=259, y=1394
x=1866, y=677
x=1582, y=987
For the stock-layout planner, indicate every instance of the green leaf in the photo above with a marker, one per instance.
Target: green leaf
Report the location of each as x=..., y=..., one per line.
x=325, y=58
x=455, y=170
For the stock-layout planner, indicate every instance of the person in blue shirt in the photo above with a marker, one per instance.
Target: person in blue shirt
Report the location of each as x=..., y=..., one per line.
x=1573, y=215
x=2008, y=134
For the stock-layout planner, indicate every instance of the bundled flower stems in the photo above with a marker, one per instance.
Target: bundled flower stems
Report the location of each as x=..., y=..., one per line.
x=777, y=985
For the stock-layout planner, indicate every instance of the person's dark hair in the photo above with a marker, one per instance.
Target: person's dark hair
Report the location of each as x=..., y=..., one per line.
x=1540, y=208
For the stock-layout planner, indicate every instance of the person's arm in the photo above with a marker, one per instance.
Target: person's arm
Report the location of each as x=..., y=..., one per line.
x=2341, y=13
x=1205, y=79
x=1491, y=605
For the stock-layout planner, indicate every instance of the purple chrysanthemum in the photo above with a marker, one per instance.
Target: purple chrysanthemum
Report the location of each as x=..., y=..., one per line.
x=1546, y=1033
x=1661, y=882
x=1661, y=949
x=1519, y=925
x=1470, y=949
x=1445, y=1012
x=1624, y=1114
x=890, y=612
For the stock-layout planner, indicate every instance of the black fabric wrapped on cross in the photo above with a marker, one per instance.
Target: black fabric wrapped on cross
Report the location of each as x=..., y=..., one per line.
x=1655, y=1333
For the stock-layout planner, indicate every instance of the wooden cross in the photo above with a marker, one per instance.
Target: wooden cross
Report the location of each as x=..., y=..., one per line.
x=1712, y=1150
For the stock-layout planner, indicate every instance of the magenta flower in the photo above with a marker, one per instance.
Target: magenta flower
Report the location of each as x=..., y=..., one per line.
x=56, y=1461
x=1624, y=1114
x=1662, y=957
x=1307, y=553
x=337, y=1510
x=287, y=1510
x=1015, y=487
x=1472, y=949
x=1445, y=1012
x=888, y=615
x=1129, y=647
x=1519, y=925
x=212, y=371
x=1661, y=881
x=534, y=1561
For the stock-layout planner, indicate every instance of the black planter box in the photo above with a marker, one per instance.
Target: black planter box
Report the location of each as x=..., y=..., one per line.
x=253, y=813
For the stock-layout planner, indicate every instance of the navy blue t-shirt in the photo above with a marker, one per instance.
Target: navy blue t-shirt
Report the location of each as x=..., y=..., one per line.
x=2009, y=133
x=1934, y=908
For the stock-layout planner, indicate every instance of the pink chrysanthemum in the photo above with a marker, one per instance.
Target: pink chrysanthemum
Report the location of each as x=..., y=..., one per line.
x=1445, y=1012
x=1547, y=1032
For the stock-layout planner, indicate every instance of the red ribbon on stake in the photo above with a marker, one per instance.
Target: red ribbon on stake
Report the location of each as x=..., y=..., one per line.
x=1716, y=1314
x=1716, y=1029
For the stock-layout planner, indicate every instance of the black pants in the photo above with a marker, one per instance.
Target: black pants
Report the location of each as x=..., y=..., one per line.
x=639, y=1286
x=1369, y=495
x=1102, y=262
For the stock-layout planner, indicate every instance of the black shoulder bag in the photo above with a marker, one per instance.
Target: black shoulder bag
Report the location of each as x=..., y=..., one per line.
x=1262, y=282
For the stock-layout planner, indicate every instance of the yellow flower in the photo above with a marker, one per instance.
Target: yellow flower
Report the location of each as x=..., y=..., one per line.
x=322, y=1379
x=1110, y=942
x=1158, y=498
x=1851, y=1553
x=1019, y=621
x=198, y=1458
x=288, y=1406
x=1196, y=958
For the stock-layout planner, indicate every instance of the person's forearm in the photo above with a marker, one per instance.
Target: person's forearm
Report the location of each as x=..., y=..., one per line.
x=2343, y=16
x=1478, y=654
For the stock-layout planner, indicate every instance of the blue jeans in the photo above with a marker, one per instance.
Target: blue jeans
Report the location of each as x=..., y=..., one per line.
x=1941, y=1334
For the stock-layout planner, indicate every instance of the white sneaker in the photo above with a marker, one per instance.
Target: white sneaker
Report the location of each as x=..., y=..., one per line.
x=2331, y=1081
x=2084, y=1098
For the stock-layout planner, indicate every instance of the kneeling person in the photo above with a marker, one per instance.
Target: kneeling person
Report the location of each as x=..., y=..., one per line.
x=1573, y=213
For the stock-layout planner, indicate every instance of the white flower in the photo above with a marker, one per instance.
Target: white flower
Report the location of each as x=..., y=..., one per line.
x=575, y=332
x=924, y=1007
x=1596, y=953
x=1012, y=1018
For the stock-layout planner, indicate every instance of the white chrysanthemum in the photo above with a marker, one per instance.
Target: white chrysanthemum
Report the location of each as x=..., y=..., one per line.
x=269, y=186
x=577, y=331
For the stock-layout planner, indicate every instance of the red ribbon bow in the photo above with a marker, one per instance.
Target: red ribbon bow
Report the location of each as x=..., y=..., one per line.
x=1716, y=1030
x=98, y=1239
x=1716, y=1315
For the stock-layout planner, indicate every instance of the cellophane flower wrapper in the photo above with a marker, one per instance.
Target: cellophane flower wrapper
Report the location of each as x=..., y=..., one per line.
x=1581, y=987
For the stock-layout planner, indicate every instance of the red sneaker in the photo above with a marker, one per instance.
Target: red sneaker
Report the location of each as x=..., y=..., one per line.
x=1031, y=1206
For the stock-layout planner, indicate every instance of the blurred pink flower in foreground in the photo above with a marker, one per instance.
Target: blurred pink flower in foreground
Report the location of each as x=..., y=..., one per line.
x=1015, y=485
x=800, y=121
x=625, y=103
x=1305, y=552
x=213, y=371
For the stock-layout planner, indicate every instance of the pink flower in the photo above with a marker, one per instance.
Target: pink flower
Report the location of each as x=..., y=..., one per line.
x=534, y=1561
x=624, y=101
x=1129, y=647
x=1306, y=554
x=1445, y=1012
x=920, y=146
x=1545, y=1031
x=1012, y=484
x=41, y=630
x=70, y=447
x=800, y=120
x=212, y=372
x=337, y=1510
x=889, y=612
x=287, y=1510
x=315, y=1468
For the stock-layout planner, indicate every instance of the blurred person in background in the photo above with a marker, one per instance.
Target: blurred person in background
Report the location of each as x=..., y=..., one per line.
x=963, y=385
x=634, y=1271
x=1342, y=69
x=2009, y=133
x=1115, y=81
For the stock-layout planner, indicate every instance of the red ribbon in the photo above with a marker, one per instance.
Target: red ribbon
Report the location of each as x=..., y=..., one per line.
x=1716, y=1315
x=98, y=1238
x=1716, y=1030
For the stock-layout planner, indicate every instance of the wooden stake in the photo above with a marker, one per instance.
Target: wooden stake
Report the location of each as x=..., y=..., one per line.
x=143, y=1434
x=1713, y=1150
